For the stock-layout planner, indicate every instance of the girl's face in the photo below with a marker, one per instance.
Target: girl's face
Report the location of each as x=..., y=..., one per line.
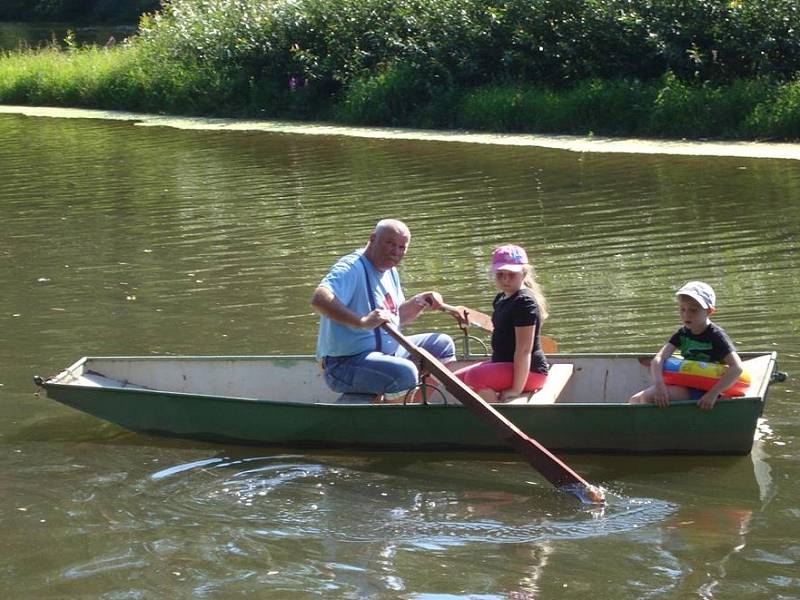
x=508, y=282
x=693, y=316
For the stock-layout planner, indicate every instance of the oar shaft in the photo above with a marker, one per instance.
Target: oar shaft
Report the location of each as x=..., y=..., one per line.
x=553, y=469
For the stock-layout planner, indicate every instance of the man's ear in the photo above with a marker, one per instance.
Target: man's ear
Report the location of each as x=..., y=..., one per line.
x=711, y=311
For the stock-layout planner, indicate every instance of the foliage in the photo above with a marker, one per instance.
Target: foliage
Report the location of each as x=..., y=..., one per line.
x=652, y=67
x=665, y=108
x=778, y=118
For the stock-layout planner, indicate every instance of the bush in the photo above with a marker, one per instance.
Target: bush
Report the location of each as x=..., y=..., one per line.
x=778, y=116
x=705, y=110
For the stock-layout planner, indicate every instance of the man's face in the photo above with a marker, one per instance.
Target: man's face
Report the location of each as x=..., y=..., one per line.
x=388, y=248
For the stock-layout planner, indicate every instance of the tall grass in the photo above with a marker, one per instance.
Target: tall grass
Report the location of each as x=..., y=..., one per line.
x=121, y=78
x=49, y=76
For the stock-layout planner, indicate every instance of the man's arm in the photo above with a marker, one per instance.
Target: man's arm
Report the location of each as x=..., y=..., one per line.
x=326, y=303
x=413, y=307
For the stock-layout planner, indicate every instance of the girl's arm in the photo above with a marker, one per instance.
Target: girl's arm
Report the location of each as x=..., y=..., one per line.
x=735, y=369
x=522, y=360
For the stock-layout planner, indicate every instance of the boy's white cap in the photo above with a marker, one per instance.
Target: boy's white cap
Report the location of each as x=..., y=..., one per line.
x=700, y=291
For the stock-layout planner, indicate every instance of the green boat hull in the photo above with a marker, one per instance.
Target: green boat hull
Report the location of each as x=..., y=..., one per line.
x=575, y=427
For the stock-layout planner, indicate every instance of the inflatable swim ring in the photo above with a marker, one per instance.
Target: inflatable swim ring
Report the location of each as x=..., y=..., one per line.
x=702, y=375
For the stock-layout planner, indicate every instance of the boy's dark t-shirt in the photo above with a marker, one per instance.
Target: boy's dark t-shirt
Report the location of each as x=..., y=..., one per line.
x=712, y=345
x=518, y=310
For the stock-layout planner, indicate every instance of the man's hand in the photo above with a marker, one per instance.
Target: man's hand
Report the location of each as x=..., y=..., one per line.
x=376, y=318
x=432, y=300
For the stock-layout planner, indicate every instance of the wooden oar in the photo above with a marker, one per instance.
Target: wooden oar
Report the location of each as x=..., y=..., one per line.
x=467, y=316
x=555, y=471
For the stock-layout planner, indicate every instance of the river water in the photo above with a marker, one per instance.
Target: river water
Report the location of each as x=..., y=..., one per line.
x=187, y=239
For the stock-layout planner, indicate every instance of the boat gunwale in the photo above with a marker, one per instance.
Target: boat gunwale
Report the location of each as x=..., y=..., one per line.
x=746, y=355
x=53, y=383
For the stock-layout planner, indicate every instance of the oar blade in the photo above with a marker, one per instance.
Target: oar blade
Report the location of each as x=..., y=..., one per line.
x=552, y=468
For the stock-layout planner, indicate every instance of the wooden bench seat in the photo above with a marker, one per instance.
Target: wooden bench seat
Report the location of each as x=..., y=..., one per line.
x=557, y=378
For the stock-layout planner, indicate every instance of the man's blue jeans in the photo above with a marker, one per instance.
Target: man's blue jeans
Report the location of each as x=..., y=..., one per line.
x=378, y=373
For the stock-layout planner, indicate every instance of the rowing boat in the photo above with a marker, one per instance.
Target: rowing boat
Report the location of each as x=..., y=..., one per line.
x=283, y=400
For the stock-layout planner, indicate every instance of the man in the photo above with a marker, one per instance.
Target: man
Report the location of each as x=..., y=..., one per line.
x=360, y=293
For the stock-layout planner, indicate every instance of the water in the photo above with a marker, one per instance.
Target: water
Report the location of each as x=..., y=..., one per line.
x=120, y=239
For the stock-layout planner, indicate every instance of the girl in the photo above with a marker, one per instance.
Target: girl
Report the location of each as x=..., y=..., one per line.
x=518, y=364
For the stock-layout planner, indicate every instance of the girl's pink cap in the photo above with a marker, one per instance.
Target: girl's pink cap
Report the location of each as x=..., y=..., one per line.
x=509, y=258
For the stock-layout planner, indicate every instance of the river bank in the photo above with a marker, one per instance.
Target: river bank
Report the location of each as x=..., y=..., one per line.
x=573, y=143
x=630, y=69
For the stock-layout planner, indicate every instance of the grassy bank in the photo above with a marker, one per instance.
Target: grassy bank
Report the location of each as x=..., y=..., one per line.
x=613, y=67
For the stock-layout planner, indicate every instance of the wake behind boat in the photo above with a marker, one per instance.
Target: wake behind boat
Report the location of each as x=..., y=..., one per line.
x=274, y=400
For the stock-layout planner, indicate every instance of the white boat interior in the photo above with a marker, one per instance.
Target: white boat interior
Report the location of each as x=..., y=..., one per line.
x=595, y=378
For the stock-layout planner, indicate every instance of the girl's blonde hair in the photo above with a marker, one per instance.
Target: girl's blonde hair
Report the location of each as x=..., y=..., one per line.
x=530, y=282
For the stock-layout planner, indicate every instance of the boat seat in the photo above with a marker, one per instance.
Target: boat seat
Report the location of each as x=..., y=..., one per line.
x=557, y=378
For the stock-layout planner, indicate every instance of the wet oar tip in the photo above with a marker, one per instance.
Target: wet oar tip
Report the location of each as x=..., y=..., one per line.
x=588, y=494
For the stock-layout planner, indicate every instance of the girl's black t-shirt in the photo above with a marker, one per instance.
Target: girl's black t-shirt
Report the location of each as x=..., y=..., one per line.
x=518, y=310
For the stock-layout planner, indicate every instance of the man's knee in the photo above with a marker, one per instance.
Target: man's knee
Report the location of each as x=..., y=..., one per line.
x=440, y=345
x=404, y=376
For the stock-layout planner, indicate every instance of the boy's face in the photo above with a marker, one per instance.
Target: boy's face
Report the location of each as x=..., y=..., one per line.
x=693, y=316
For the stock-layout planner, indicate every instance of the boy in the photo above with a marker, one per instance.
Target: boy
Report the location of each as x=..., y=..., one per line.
x=698, y=339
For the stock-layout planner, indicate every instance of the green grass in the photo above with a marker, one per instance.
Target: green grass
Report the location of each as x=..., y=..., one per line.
x=87, y=77
x=121, y=78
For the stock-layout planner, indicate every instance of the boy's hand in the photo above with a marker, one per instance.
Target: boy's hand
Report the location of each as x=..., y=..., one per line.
x=661, y=395
x=707, y=401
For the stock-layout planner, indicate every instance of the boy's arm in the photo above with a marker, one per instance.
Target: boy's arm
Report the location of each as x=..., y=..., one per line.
x=735, y=369
x=661, y=395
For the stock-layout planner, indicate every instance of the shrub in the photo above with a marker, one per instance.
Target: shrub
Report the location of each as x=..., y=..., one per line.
x=778, y=116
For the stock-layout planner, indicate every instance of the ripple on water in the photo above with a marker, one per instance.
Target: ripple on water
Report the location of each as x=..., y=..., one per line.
x=288, y=496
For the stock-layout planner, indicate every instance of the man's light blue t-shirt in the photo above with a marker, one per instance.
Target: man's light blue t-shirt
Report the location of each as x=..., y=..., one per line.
x=347, y=279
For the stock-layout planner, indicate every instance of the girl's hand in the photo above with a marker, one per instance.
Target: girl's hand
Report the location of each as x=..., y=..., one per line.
x=508, y=394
